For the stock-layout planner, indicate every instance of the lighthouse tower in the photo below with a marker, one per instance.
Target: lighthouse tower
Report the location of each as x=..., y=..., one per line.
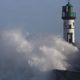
x=68, y=16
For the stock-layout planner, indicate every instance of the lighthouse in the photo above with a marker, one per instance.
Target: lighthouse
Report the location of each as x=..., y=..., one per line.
x=68, y=16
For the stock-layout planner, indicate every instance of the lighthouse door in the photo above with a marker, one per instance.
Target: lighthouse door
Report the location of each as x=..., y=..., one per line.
x=69, y=37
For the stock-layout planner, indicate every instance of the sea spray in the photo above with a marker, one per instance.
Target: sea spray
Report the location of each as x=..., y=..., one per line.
x=25, y=58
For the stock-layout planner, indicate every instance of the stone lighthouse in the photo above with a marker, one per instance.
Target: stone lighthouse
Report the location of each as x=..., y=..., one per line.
x=68, y=16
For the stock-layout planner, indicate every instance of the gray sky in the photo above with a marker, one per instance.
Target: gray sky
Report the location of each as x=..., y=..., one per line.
x=35, y=16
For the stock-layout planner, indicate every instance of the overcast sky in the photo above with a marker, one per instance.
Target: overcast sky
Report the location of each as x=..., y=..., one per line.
x=35, y=16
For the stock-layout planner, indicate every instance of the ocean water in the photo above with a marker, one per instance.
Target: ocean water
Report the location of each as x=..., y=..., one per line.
x=24, y=56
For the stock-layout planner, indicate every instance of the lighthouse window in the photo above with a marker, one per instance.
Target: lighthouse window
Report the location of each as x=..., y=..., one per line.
x=73, y=23
x=67, y=9
x=64, y=24
x=63, y=14
x=69, y=26
x=69, y=37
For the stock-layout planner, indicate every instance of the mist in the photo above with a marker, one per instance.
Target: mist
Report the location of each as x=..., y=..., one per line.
x=24, y=56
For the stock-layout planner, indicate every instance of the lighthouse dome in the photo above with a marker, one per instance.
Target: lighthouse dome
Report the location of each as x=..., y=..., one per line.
x=68, y=12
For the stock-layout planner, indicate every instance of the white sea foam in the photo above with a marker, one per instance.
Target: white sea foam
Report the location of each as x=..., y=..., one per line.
x=23, y=57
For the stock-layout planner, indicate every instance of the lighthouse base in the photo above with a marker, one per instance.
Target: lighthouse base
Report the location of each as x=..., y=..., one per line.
x=66, y=75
